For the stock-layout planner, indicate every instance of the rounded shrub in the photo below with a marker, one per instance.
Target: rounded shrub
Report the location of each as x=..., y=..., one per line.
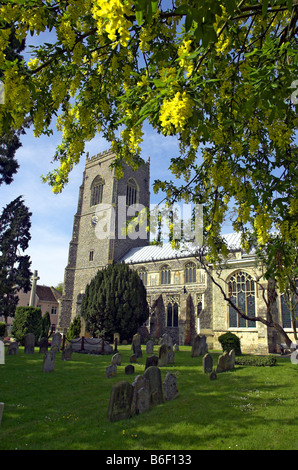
x=230, y=341
x=27, y=320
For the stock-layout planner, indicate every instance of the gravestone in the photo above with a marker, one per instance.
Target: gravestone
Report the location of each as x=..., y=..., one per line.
x=226, y=361
x=133, y=358
x=199, y=346
x=120, y=401
x=163, y=355
x=43, y=345
x=111, y=371
x=170, y=387
x=67, y=353
x=2, y=352
x=13, y=349
x=49, y=361
x=153, y=374
x=1, y=411
x=29, y=343
x=136, y=345
x=207, y=363
x=141, y=395
x=56, y=342
x=117, y=359
x=171, y=355
x=213, y=375
x=151, y=361
x=129, y=369
x=150, y=347
x=167, y=339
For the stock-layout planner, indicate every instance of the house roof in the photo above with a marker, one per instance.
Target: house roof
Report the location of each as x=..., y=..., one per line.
x=157, y=253
x=47, y=294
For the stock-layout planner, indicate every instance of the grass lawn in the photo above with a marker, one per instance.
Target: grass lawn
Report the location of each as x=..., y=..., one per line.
x=249, y=408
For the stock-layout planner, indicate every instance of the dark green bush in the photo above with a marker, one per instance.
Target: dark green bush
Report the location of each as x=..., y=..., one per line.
x=230, y=341
x=256, y=361
x=74, y=329
x=2, y=329
x=27, y=320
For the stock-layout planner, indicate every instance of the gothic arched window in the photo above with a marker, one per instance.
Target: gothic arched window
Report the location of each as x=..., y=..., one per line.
x=242, y=294
x=131, y=192
x=288, y=302
x=172, y=314
x=96, y=191
x=190, y=272
x=143, y=273
x=165, y=275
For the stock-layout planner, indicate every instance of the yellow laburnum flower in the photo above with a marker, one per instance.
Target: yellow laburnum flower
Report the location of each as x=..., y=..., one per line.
x=175, y=113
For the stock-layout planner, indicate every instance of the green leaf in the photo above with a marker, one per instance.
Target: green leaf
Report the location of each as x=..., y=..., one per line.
x=265, y=7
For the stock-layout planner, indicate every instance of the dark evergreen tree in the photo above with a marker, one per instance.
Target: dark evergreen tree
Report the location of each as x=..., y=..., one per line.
x=115, y=301
x=27, y=320
x=14, y=265
x=45, y=326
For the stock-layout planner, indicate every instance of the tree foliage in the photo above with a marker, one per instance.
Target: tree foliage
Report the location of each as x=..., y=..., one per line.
x=27, y=320
x=115, y=301
x=14, y=264
x=216, y=74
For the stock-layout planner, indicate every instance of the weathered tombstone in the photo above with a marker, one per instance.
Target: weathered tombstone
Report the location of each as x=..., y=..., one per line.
x=117, y=359
x=163, y=355
x=111, y=371
x=29, y=343
x=151, y=361
x=49, y=361
x=13, y=349
x=43, y=345
x=171, y=355
x=141, y=395
x=199, y=346
x=2, y=352
x=207, y=363
x=129, y=369
x=153, y=374
x=226, y=361
x=56, y=342
x=150, y=347
x=67, y=353
x=136, y=345
x=120, y=401
x=1, y=411
x=170, y=388
x=167, y=339
x=133, y=358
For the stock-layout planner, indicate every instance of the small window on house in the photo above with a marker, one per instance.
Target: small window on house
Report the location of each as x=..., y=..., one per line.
x=131, y=192
x=91, y=255
x=54, y=311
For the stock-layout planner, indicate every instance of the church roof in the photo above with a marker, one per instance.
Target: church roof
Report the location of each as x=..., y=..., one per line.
x=149, y=253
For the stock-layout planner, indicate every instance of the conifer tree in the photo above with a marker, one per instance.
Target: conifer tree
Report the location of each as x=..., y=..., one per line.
x=115, y=301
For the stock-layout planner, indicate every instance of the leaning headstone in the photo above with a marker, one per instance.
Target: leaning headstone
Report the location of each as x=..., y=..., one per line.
x=120, y=401
x=199, y=346
x=1, y=411
x=111, y=371
x=13, y=349
x=29, y=343
x=2, y=352
x=56, y=342
x=151, y=361
x=67, y=353
x=170, y=388
x=207, y=363
x=129, y=369
x=136, y=345
x=141, y=395
x=150, y=347
x=226, y=361
x=49, y=361
x=163, y=355
x=43, y=345
x=153, y=374
x=117, y=359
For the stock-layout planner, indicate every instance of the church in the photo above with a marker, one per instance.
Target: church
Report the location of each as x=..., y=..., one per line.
x=183, y=300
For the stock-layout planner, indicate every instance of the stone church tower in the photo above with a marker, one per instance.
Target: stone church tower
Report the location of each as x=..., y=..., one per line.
x=97, y=238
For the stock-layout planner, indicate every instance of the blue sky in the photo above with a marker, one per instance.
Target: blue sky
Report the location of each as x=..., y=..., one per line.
x=52, y=215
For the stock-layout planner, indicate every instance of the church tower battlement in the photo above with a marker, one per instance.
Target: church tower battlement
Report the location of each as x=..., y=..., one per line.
x=98, y=212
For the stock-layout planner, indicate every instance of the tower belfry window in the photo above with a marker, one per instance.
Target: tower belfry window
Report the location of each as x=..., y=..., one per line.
x=131, y=192
x=96, y=191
